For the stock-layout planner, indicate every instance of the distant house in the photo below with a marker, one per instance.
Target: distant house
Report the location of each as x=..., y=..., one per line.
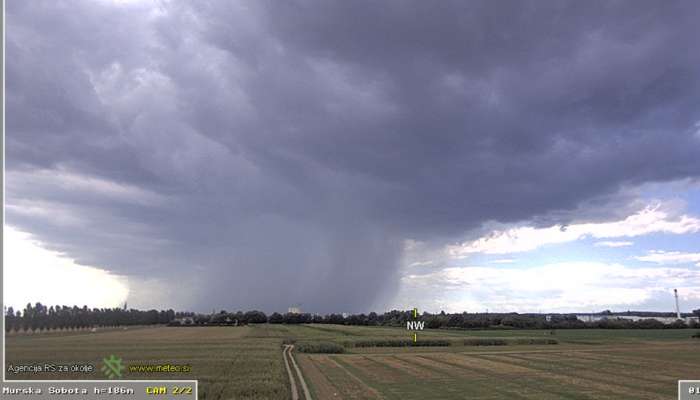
x=294, y=310
x=183, y=321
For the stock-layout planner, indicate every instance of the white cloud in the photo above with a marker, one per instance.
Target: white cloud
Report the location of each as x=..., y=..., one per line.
x=670, y=257
x=421, y=263
x=504, y=261
x=32, y=273
x=564, y=287
x=613, y=244
x=649, y=220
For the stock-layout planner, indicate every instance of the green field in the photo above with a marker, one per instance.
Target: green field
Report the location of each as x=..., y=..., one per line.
x=246, y=362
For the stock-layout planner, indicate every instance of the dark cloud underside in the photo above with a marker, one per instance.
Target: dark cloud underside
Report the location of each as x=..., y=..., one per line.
x=280, y=152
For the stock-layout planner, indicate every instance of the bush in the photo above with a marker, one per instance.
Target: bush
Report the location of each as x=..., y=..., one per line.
x=399, y=343
x=320, y=347
x=504, y=342
x=484, y=342
x=536, y=341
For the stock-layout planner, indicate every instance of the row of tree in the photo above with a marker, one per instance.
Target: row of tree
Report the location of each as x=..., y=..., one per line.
x=442, y=320
x=39, y=317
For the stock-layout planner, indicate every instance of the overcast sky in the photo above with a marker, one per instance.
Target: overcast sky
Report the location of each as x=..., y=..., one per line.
x=353, y=156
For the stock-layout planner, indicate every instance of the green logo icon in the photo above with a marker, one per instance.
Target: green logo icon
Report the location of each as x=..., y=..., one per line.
x=112, y=367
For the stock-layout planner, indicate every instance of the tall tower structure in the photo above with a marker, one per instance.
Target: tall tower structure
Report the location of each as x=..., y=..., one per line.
x=678, y=310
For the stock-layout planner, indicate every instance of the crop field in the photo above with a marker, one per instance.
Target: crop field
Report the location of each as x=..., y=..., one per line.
x=246, y=362
x=230, y=363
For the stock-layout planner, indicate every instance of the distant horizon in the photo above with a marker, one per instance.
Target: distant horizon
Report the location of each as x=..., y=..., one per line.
x=365, y=313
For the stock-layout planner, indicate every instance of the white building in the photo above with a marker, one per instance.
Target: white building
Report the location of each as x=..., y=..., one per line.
x=294, y=310
x=184, y=321
x=591, y=317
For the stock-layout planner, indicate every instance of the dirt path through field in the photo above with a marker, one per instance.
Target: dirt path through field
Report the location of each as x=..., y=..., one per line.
x=287, y=354
x=295, y=393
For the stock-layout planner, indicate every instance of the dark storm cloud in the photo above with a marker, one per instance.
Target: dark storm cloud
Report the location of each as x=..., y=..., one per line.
x=280, y=152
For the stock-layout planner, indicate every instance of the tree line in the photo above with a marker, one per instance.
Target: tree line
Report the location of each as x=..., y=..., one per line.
x=442, y=320
x=38, y=317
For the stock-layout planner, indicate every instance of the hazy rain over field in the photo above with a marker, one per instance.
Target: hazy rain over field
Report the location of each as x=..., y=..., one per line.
x=358, y=155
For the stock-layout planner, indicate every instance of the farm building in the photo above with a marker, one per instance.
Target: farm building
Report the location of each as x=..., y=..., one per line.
x=183, y=321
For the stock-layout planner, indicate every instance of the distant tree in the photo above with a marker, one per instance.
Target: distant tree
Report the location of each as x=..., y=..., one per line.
x=317, y=319
x=335, y=319
x=10, y=319
x=372, y=318
x=678, y=324
x=255, y=317
x=647, y=324
x=276, y=318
